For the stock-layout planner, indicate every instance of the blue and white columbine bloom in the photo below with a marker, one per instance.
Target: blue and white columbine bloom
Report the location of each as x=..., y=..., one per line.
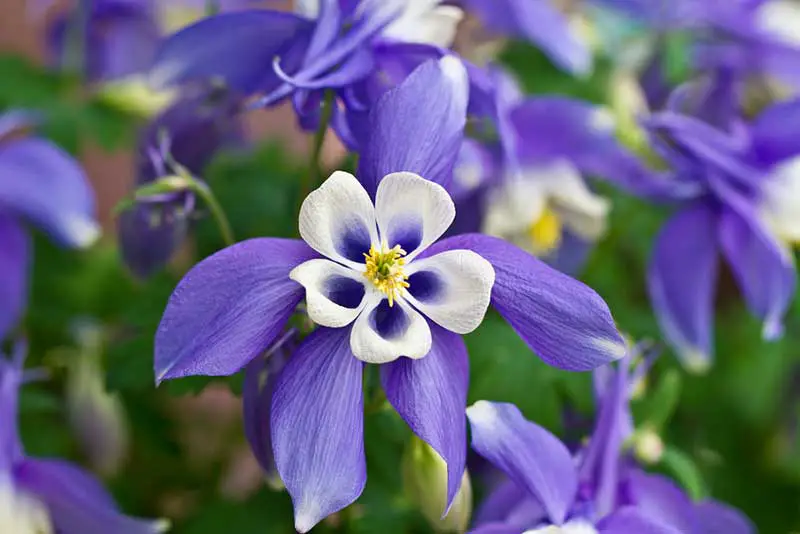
x=381, y=290
x=42, y=185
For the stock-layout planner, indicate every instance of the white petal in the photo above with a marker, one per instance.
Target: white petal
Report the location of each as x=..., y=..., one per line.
x=573, y=527
x=514, y=207
x=376, y=340
x=412, y=212
x=332, y=291
x=425, y=24
x=780, y=19
x=459, y=286
x=338, y=220
x=581, y=210
x=781, y=201
x=307, y=8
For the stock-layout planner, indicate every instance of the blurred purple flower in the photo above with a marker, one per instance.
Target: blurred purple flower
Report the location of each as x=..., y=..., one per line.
x=744, y=205
x=189, y=133
x=530, y=179
x=44, y=495
x=40, y=184
x=232, y=306
x=598, y=491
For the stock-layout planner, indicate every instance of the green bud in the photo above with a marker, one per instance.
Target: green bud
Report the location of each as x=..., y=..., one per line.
x=425, y=485
x=133, y=95
x=648, y=446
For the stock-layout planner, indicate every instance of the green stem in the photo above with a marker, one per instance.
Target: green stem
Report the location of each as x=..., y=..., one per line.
x=314, y=175
x=202, y=190
x=212, y=7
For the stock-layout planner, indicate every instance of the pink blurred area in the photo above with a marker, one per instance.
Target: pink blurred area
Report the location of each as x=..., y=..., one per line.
x=112, y=172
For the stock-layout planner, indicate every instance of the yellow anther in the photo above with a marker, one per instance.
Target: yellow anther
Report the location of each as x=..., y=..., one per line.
x=545, y=233
x=384, y=268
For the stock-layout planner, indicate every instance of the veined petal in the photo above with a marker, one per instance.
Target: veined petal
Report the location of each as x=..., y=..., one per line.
x=418, y=126
x=383, y=333
x=229, y=308
x=338, y=220
x=14, y=259
x=318, y=427
x=681, y=280
x=565, y=322
x=510, y=504
x=530, y=455
x=452, y=288
x=539, y=23
x=718, y=518
x=763, y=267
x=335, y=294
x=45, y=185
x=412, y=212
x=430, y=394
x=76, y=502
x=630, y=519
x=204, y=51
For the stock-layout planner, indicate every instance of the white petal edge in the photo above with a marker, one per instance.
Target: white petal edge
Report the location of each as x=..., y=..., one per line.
x=435, y=26
x=780, y=207
x=323, y=311
x=325, y=212
x=514, y=207
x=467, y=288
x=581, y=210
x=368, y=346
x=408, y=196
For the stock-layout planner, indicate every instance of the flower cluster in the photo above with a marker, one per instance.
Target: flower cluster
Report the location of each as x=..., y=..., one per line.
x=468, y=199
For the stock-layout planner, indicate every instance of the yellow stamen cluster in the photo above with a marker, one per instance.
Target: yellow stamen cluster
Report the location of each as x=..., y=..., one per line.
x=385, y=270
x=545, y=233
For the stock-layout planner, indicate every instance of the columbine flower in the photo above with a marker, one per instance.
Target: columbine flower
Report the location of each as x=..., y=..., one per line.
x=538, y=198
x=41, y=184
x=189, y=134
x=232, y=306
x=743, y=206
x=596, y=492
x=40, y=496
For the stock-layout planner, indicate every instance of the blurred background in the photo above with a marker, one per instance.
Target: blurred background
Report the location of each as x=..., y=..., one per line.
x=179, y=451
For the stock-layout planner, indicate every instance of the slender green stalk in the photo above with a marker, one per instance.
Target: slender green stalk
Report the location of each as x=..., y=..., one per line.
x=314, y=175
x=212, y=7
x=202, y=190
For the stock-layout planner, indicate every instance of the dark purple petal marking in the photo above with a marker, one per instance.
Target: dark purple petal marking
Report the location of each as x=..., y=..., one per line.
x=354, y=240
x=344, y=291
x=388, y=321
x=426, y=286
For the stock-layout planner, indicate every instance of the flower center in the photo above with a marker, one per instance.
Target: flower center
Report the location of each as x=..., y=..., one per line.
x=545, y=233
x=385, y=270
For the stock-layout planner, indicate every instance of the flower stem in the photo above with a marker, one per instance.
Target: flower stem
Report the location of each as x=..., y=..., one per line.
x=314, y=175
x=212, y=7
x=202, y=190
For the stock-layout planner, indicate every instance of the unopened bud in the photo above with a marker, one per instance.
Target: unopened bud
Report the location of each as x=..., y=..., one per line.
x=96, y=416
x=425, y=481
x=648, y=446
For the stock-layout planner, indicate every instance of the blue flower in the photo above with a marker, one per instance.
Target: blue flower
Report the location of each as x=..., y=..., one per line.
x=188, y=133
x=48, y=495
x=365, y=241
x=597, y=491
x=738, y=191
x=40, y=184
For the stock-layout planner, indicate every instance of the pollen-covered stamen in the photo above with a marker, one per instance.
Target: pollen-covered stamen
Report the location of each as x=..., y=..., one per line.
x=385, y=270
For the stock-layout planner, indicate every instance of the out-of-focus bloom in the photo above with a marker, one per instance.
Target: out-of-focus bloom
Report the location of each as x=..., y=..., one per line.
x=738, y=187
x=357, y=49
x=48, y=495
x=189, y=133
x=232, y=306
x=531, y=184
x=40, y=184
x=425, y=484
x=97, y=416
x=540, y=23
x=599, y=491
